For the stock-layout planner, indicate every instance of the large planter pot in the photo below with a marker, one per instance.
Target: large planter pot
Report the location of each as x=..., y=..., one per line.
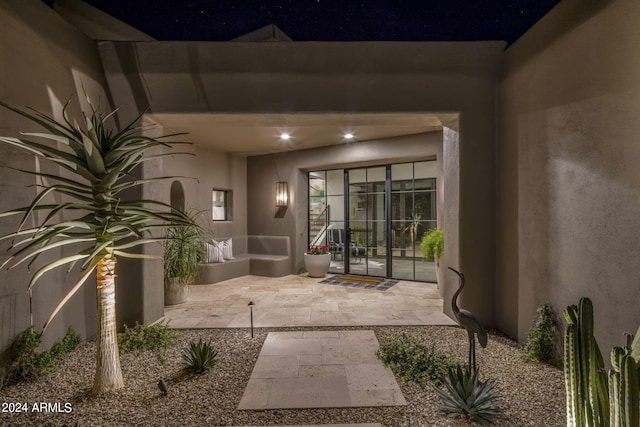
x=176, y=290
x=317, y=265
x=439, y=272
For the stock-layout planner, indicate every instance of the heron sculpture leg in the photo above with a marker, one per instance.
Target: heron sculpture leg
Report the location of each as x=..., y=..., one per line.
x=472, y=351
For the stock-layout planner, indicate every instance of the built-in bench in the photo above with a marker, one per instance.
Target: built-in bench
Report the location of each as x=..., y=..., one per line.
x=256, y=255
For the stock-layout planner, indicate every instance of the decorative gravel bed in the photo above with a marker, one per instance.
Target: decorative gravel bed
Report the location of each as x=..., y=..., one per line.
x=532, y=394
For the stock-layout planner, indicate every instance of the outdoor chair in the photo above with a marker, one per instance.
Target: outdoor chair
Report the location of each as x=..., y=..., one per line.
x=337, y=239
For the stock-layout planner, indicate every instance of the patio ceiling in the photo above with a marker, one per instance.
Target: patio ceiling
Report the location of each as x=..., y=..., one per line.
x=253, y=134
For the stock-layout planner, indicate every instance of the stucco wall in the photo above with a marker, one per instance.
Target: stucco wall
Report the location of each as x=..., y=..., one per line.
x=43, y=62
x=568, y=204
x=204, y=171
x=264, y=171
x=321, y=77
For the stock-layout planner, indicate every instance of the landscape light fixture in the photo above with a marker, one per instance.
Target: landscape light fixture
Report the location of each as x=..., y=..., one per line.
x=285, y=136
x=348, y=136
x=282, y=194
x=164, y=390
x=251, y=304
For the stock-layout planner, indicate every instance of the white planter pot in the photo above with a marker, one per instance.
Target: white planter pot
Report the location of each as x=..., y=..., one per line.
x=317, y=265
x=176, y=291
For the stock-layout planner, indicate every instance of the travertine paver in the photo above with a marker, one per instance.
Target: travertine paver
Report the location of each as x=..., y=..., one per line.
x=332, y=425
x=299, y=300
x=320, y=369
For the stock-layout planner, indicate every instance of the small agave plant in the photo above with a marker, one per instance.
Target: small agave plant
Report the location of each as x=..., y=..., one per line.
x=199, y=357
x=467, y=397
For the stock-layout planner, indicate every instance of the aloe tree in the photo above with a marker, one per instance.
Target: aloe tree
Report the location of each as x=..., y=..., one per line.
x=93, y=224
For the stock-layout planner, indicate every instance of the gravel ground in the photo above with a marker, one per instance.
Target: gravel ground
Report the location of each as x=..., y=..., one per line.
x=532, y=394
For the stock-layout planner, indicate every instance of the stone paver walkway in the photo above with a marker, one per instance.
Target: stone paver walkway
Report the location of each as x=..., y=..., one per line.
x=320, y=369
x=298, y=300
x=332, y=425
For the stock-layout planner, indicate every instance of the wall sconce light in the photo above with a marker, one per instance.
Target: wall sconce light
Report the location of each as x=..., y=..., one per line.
x=282, y=194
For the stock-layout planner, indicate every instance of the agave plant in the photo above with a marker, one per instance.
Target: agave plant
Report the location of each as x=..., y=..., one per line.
x=101, y=224
x=467, y=397
x=199, y=357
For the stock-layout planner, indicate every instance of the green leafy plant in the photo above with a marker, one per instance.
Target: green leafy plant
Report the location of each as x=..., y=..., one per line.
x=540, y=345
x=432, y=244
x=94, y=221
x=199, y=357
x=183, y=249
x=465, y=396
x=27, y=364
x=143, y=338
x=413, y=360
x=66, y=345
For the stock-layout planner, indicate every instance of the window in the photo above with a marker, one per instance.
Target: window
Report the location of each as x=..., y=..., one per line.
x=221, y=205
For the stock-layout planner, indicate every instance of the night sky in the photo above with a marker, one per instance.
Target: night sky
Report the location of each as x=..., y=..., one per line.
x=331, y=20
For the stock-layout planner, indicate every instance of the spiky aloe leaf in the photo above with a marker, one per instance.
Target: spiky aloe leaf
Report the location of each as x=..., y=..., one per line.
x=99, y=165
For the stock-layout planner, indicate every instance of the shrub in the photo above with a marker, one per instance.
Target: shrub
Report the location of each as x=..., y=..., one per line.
x=432, y=244
x=184, y=249
x=141, y=338
x=199, y=356
x=540, y=345
x=465, y=396
x=26, y=364
x=415, y=361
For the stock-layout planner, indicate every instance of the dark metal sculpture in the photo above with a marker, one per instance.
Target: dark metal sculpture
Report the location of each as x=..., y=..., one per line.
x=467, y=320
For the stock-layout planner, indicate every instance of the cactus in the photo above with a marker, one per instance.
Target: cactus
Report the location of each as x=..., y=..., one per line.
x=623, y=388
x=585, y=377
x=593, y=397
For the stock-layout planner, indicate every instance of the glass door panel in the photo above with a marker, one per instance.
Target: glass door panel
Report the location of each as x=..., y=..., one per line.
x=376, y=227
x=413, y=212
x=326, y=213
x=367, y=252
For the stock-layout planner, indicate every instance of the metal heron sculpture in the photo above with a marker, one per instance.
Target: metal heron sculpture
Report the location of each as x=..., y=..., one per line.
x=467, y=320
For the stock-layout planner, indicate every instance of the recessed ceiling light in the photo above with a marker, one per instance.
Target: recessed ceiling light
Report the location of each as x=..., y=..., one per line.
x=348, y=135
x=285, y=136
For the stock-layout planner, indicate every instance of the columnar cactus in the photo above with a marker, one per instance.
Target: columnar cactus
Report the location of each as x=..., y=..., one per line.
x=585, y=377
x=593, y=398
x=623, y=388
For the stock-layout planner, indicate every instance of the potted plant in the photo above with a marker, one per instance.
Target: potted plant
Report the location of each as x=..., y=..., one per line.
x=184, y=248
x=432, y=247
x=317, y=260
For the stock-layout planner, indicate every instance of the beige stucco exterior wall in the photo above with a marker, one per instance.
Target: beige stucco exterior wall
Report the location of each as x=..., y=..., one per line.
x=292, y=167
x=43, y=62
x=202, y=171
x=322, y=77
x=568, y=180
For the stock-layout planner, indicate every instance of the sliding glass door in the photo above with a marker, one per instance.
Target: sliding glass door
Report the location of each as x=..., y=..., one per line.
x=367, y=222
x=413, y=213
x=373, y=218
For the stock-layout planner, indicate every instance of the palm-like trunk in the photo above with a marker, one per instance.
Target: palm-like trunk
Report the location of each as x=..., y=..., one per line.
x=108, y=374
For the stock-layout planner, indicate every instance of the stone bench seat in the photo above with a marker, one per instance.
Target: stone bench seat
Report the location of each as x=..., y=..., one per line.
x=256, y=255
